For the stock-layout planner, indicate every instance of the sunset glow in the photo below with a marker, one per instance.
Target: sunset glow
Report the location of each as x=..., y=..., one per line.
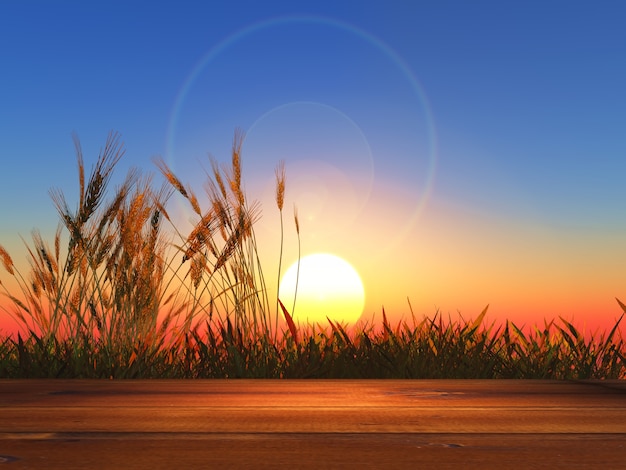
x=457, y=157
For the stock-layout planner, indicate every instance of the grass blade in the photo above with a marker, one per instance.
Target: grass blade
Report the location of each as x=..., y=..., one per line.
x=290, y=323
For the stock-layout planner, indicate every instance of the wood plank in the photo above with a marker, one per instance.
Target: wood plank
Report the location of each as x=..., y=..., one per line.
x=346, y=393
x=315, y=451
x=312, y=423
x=314, y=420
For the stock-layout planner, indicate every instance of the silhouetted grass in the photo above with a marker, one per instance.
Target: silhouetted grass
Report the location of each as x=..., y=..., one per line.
x=116, y=297
x=430, y=349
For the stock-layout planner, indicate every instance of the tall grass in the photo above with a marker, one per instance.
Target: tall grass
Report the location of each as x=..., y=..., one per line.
x=104, y=281
x=114, y=283
x=122, y=292
x=224, y=279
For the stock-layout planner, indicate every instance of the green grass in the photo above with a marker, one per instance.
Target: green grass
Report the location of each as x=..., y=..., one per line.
x=122, y=293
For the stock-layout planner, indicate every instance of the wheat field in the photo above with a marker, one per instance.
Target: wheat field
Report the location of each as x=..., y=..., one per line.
x=121, y=292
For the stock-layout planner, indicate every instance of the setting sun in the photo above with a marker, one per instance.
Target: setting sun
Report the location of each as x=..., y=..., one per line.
x=327, y=286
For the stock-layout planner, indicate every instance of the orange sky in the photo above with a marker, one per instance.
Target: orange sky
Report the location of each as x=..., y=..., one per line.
x=446, y=153
x=450, y=259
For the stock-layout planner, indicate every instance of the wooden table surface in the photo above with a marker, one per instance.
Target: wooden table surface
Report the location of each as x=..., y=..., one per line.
x=63, y=424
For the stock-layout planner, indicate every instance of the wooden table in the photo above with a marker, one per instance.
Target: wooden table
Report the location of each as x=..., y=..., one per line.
x=64, y=424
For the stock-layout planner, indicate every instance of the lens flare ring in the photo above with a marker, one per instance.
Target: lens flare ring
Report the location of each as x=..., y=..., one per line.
x=372, y=40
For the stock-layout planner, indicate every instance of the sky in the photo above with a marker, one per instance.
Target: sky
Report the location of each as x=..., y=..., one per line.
x=457, y=154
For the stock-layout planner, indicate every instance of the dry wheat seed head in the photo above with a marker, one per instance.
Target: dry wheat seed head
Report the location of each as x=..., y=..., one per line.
x=170, y=176
x=210, y=186
x=280, y=184
x=7, y=262
x=295, y=218
x=235, y=183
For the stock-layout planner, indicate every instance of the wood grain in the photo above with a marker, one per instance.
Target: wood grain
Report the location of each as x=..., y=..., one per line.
x=312, y=424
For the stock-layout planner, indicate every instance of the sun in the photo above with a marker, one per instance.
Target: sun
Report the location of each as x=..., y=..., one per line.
x=327, y=286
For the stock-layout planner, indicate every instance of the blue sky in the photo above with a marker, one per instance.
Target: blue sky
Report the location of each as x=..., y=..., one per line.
x=465, y=137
